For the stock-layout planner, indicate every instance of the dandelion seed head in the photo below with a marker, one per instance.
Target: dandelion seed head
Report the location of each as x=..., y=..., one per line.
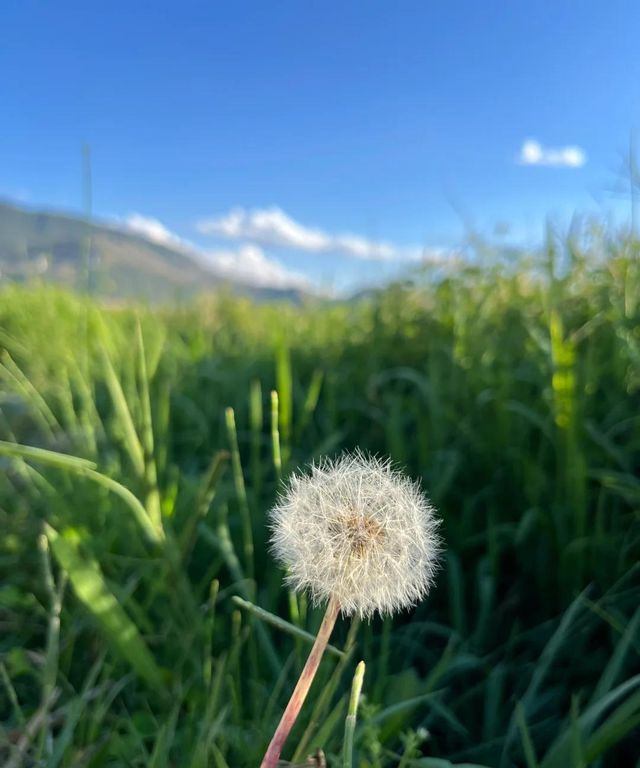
x=356, y=529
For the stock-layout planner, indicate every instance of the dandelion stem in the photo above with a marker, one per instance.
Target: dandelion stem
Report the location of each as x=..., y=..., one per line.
x=301, y=690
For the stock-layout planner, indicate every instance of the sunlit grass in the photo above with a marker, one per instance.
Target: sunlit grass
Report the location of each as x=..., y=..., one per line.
x=143, y=621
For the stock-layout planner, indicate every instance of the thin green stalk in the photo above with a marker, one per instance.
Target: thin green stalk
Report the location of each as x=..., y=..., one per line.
x=284, y=386
x=256, y=420
x=527, y=744
x=152, y=504
x=32, y=728
x=87, y=469
x=275, y=436
x=55, y=594
x=209, y=623
x=241, y=492
x=221, y=539
x=281, y=624
x=42, y=455
x=206, y=495
x=350, y=721
x=12, y=695
x=311, y=400
x=130, y=437
x=41, y=410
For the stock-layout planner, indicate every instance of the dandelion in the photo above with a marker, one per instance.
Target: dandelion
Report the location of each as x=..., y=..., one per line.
x=357, y=534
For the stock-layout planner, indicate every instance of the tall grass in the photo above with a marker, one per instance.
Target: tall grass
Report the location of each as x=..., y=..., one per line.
x=142, y=619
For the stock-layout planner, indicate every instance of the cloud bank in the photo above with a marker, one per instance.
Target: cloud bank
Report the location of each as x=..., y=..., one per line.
x=273, y=227
x=246, y=264
x=153, y=229
x=533, y=153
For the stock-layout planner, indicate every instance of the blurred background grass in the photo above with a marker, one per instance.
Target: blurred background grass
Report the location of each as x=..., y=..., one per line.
x=511, y=391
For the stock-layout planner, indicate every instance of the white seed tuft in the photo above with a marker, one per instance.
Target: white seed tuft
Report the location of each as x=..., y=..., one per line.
x=359, y=531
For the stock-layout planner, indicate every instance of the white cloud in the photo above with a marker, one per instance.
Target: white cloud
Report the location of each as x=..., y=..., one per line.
x=272, y=226
x=153, y=230
x=533, y=153
x=248, y=264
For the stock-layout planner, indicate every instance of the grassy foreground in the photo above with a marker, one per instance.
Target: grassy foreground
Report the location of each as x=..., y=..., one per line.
x=133, y=543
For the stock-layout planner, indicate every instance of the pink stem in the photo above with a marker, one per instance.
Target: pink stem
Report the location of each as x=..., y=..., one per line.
x=272, y=756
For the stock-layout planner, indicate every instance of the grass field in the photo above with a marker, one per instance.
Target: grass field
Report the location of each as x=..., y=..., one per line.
x=133, y=543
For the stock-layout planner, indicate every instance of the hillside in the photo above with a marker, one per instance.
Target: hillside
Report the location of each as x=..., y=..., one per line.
x=58, y=248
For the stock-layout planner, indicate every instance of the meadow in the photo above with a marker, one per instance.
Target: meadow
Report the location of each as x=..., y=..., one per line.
x=143, y=621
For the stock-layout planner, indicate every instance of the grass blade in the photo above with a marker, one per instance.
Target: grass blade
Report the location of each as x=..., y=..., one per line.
x=91, y=589
x=285, y=626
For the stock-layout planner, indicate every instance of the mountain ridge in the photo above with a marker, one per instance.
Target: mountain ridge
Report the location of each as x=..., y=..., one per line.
x=114, y=263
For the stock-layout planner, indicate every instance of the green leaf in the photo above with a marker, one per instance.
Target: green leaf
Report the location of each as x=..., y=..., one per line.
x=559, y=754
x=527, y=743
x=544, y=663
x=92, y=590
x=616, y=663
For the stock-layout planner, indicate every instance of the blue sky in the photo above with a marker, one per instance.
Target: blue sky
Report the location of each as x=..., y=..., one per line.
x=336, y=141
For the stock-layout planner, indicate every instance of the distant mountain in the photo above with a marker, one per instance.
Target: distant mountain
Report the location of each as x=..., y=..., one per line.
x=111, y=262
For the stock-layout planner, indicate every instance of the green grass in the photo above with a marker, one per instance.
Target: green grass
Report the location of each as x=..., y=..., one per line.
x=142, y=619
